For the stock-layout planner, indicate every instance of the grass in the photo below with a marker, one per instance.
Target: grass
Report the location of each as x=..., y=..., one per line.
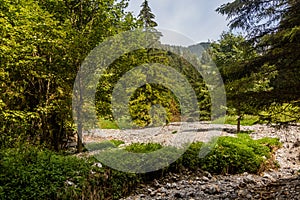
x=230, y=155
x=143, y=148
x=107, y=124
x=247, y=120
x=241, y=154
x=35, y=173
x=104, y=145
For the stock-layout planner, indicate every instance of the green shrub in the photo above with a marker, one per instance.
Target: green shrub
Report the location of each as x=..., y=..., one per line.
x=117, y=142
x=140, y=157
x=32, y=173
x=104, y=145
x=231, y=156
x=238, y=154
x=107, y=124
x=190, y=158
x=143, y=147
x=94, y=146
x=271, y=143
x=247, y=120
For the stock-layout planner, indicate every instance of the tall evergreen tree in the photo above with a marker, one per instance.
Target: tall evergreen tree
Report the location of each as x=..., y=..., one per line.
x=230, y=53
x=146, y=16
x=274, y=27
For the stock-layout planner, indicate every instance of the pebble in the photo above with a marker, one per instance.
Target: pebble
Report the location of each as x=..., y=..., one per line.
x=283, y=183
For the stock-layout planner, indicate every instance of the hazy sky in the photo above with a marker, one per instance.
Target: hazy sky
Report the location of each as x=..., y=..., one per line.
x=195, y=19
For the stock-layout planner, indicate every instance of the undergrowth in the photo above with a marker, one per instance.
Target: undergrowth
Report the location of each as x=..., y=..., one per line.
x=35, y=173
x=247, y=120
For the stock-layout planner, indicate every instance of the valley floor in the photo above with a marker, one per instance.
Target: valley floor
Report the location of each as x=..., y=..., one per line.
x=283, y=183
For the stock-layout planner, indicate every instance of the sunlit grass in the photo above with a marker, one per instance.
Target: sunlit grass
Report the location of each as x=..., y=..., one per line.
x=107, y=124
x=284, y=113
x=247, y=120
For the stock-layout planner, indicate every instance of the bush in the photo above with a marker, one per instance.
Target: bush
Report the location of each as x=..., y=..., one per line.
x=32, y=173
x=143, y=148
x=29, y=173
x=237, y=155
x=104, y=145
x=230, y=156
x=247, y=120
x=140, y=157
x=190, y=159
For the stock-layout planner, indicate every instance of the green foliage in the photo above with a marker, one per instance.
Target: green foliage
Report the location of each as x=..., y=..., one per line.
x=94, y=146
x=32, y=173
x=143, y=148
x=109, y=144
x=140, y=158
x=246, y=120
x=273, y=30
x=237, y=155
x=271, y=143
x=152, y=104
x=146, y=16
x=107, y=124
x=42, y=45
x=230, y=54
x=281, y=113
x=231, y=155
x=117, y=142
x=190, y=159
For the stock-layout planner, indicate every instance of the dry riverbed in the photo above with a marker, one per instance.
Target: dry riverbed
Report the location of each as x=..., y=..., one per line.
x=283, y=183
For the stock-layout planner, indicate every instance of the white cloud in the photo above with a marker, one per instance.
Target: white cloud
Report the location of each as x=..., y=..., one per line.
x=195, y=19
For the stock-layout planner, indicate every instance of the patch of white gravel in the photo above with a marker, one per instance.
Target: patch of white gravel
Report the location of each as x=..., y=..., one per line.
x=177, y=134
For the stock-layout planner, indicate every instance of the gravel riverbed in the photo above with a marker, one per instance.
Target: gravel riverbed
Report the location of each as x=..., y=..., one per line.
x=283, y=183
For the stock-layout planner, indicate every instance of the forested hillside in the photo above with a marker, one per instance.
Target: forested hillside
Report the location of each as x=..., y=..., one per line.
x=43, y=45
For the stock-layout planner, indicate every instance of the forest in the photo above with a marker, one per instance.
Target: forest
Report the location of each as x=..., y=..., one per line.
x=43, y=46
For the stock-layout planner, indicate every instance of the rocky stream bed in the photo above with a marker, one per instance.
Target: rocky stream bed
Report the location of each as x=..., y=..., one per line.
x=283, y=183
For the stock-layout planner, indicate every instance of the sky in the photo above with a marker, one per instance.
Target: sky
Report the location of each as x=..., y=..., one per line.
x=186, y=21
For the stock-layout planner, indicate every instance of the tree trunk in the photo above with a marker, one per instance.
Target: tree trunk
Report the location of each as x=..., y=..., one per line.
x=79, y=139
x=238, y=129
x=79, y=126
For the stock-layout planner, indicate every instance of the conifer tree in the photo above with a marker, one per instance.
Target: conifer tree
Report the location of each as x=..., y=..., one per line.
x=146, y=16
x=274, y=28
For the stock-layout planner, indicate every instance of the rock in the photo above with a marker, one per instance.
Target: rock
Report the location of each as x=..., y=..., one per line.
x=212, y=189
x=242, y=184
x=168, y=185
x=202, y=185
x=70, y=183
x=98, y=165
x=152, y=194
x=249, y=179
x=207, y=174
x=204, y=178
x=268, y=176
x=178, y=195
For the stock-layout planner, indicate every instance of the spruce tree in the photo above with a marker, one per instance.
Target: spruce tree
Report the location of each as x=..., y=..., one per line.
x=274, y=28
x=146, y=16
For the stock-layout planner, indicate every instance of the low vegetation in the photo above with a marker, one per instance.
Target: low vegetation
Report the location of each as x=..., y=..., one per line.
x=32, y=173
x=44, y=44
x=37, y=173
x=93, y=146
